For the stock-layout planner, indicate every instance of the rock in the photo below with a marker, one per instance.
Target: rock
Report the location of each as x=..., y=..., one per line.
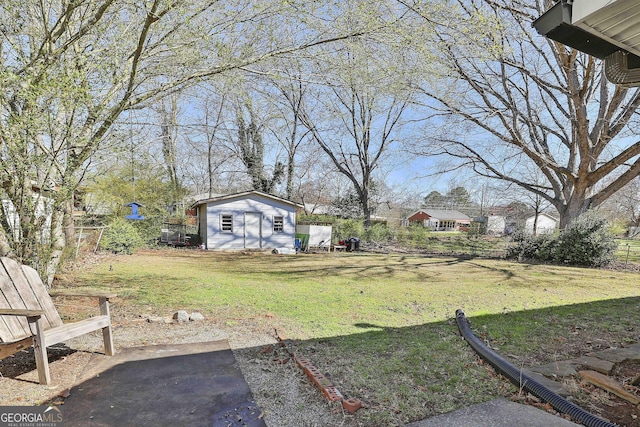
x=552, y=385
x=156, y=319
x=181, y=316
x=196, y=315
x=594, y=364
x=556, y=369
x=617, y=355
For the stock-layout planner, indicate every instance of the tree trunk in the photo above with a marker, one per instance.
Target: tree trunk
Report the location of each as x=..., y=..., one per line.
x=572, y=210
x=60, y=232
x=169, y=136
x=290, y=172
x=366, y=207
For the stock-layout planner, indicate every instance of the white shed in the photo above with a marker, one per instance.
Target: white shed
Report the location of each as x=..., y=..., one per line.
x=248, y=220
x=546, y=224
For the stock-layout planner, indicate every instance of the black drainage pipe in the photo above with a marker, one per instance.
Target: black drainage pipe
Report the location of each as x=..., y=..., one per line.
x=524, y=381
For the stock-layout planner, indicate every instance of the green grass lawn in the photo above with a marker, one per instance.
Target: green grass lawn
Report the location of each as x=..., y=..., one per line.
x=381, y=325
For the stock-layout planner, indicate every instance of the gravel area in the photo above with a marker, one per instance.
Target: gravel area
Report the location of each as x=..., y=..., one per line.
x=281, y=390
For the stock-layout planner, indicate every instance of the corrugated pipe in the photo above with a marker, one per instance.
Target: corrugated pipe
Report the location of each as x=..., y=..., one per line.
x=524, y=381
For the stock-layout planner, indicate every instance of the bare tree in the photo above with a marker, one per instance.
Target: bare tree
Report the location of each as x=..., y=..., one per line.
x=359, y=154
x=70, y=69
x=515, y=101
x=213, y=123
x=168, y=111
x=291, y=92
x=626, y=205
x=355, y=118
x=251, y=148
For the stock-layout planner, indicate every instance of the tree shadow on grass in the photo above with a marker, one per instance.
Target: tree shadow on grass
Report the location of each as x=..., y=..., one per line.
x=404, y=374
x=383, y=267
x=411, y=373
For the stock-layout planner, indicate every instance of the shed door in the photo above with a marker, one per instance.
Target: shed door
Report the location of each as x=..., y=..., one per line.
x=252, y=230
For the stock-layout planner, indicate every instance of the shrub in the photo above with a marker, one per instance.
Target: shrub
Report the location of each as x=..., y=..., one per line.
x=378, y=233
x=619, y=228
x=415, y=235
x=121, y=237
x=586, y=241
x=347, y=228
x=316, y=219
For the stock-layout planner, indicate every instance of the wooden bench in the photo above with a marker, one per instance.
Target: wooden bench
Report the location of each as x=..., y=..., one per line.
x=28, y=317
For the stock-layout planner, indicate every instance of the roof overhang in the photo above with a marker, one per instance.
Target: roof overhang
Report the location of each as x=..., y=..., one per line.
x=243, y=194
x=604, y=29
x=615, y=21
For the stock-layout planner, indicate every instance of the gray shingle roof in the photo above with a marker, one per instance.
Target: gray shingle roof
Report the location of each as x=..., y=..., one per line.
x=445, y=215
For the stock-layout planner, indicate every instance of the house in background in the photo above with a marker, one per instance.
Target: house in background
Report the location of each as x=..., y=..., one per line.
x=247, y=220
x=439, y=220
x=496, y=224
x=42, y=211
x=546, y=224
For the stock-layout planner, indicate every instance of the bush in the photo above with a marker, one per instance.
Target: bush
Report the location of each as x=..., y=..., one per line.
x=378, y=233
x=540, y=247
x=415, y=235
x=586, y=241
x=121, y=237
x=347, y=228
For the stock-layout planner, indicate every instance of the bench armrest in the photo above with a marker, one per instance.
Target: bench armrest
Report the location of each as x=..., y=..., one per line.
x=83, y=293
x=20, y=312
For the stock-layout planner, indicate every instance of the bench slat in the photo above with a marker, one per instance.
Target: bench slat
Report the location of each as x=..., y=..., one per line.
x=16, y=327
x=82, y=293
x=42, y=298
x=71, y=330
x=20, y=312
x=14, y=347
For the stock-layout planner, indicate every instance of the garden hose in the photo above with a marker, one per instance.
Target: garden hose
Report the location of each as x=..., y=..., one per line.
x=524, y=381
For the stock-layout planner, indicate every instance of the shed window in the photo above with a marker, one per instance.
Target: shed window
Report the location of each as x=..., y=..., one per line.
x=227, y=223
x=278, y=224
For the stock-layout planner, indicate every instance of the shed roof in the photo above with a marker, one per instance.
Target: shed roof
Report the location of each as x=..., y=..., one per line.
x=223, y=197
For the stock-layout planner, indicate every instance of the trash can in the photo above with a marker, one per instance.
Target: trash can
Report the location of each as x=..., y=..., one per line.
x=353, y=244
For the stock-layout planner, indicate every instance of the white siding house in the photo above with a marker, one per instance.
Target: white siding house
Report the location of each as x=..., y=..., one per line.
x=249, y=220
x=43, y=214
x=546, y=224
x=496, y=224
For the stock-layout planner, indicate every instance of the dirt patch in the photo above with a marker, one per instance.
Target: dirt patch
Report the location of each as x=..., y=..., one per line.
x=597, y=401
x=611, y=407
